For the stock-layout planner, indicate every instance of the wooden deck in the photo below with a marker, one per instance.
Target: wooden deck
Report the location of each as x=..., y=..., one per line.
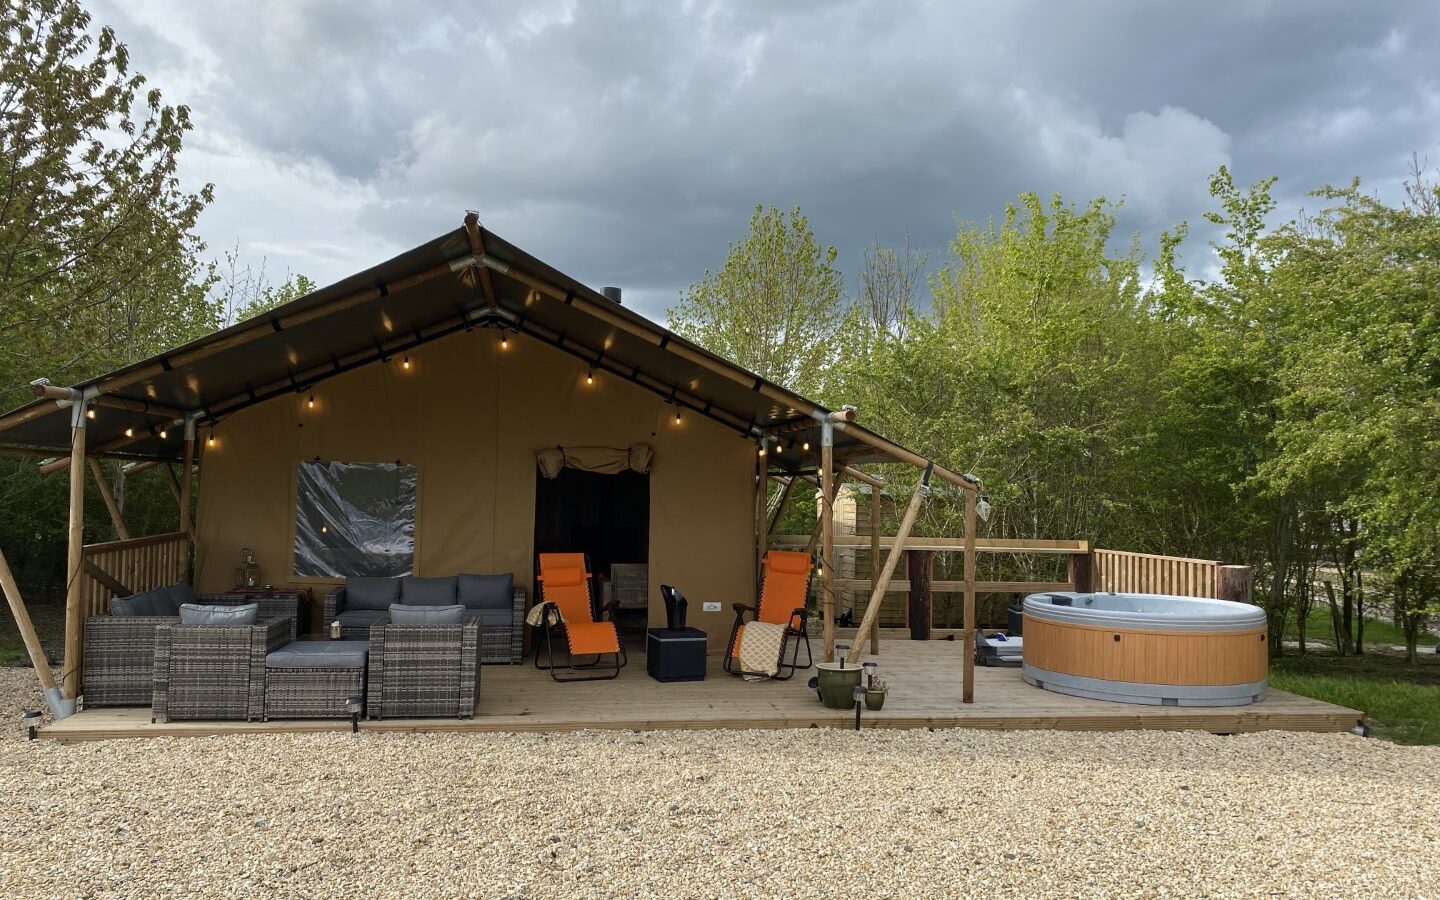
x=924, y=680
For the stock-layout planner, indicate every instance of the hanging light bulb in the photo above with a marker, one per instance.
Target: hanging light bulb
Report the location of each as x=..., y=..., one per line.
x=324, y=529
x=762, y=449
x=129, y=431
x=405, y=363
x=90, y=413
x=504, y=340
x=311, y=402
x=590, y=377
x=807, y=446
x=677, y=416
x=163, y=434
x=210, y=441
x=779, y=446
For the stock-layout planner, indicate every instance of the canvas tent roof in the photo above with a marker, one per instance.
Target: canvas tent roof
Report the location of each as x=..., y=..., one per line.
x=466, y=278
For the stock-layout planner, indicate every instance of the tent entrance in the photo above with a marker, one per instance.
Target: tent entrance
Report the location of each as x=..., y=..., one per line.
x=608, y=517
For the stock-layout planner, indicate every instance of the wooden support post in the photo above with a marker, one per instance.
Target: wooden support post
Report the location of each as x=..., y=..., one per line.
x=27, y=628
x=967, y=694
x=174, y=483
x=1233, y=583
x=103, y=486
x=762, y=523
x=1081, y=572
x=815, y=532
x=874, y=562
x=918, y=567
x=75, y=550
x=828, y=483
x=780, y=509
x=187, y=476
x=892, y=559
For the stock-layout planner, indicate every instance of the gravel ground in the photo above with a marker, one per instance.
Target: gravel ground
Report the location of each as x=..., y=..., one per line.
x=716, y=814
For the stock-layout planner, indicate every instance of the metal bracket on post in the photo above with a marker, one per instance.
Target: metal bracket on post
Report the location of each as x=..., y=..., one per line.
x=827, y=434
x=190, y=426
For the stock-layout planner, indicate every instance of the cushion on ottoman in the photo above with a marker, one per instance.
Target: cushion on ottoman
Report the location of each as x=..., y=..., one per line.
x=426, y=615
x=197, y=614
x=486, y=591
x=319, y=655
x=371, y=593
x=427, y=591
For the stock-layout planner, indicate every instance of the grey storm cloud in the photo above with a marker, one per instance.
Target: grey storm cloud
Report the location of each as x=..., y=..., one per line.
x=627, y=143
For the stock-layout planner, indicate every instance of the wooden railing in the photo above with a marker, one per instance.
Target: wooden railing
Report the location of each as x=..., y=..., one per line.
x=1148, y=573
x=119, y=568
x=915, y=610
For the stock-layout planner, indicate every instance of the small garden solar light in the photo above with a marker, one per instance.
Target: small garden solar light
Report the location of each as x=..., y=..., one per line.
x=858, y=692
x=352, y=706
x=1360, y=728
x=870, y=668
x=840, y=651
x=30, y=720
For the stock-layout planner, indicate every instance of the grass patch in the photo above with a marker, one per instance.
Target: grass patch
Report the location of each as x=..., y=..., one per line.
x=1401, y=702
x=49, y=620
x=1377, y=631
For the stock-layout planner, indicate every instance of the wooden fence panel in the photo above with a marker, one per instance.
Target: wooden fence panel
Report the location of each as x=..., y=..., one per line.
x=139, y=564
x=1149, y=573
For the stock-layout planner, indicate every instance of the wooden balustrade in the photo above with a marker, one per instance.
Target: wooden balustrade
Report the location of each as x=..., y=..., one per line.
x=119, y=568
x=1149, y=573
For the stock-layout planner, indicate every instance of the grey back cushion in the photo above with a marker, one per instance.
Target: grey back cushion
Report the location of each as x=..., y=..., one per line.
x=198, y=614
x=409, y=614
x=427, y=591
x=371, y=593
x=486, y=591
x=142, y=604
x=175, y=596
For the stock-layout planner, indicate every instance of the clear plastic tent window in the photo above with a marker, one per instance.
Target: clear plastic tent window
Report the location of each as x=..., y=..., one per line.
x=354, y=519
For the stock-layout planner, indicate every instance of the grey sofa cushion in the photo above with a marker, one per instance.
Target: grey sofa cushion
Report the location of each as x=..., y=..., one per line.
x=361, y=618
x=402, y=614
x=427, y=591
x=319, y=655
x=491, y=618
x=198, y=614
x=371, y=593
x=486, y=591
x=145, y=603
x=168, y=600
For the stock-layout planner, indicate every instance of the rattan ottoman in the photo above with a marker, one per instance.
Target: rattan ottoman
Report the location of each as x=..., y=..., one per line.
x=314, y=679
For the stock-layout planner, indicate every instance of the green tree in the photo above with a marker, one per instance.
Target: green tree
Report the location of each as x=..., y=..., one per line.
x=98, y=256
x=774, y=306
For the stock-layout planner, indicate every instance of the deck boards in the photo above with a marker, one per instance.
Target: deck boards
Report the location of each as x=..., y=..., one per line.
x=924, y=680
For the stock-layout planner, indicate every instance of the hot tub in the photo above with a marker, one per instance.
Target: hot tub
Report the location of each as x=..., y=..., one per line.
x=1146, y=648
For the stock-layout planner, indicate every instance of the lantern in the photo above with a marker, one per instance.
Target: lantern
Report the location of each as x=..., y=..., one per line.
x=247, y=574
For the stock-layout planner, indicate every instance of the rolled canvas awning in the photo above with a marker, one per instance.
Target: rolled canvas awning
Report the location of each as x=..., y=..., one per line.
x=605, y=460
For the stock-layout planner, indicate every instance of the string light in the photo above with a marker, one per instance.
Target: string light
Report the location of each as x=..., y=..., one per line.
x=405, y=363
x=90, y=413
x=210, y=441
x=807, y=446
x=504, y=340
x=311, y=402
x=762, y=449
x=677, y=416
x=163, y=434
x=779, y=446
x=590, y=377
x=129, y=431
x=324, y=529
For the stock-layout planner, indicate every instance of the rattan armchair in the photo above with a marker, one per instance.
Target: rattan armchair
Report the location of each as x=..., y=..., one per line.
x=119, y=667
x=423, y=670
x=214, y=671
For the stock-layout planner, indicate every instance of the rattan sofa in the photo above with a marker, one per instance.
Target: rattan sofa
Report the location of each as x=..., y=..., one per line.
x=423, y=670
x=503, y=635
x=119, y=668
x=214, y=671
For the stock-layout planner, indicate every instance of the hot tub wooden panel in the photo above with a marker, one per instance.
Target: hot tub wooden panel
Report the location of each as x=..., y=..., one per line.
x=1147, y=657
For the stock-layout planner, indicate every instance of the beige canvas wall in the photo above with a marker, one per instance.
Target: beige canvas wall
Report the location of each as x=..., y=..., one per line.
x=470, y=416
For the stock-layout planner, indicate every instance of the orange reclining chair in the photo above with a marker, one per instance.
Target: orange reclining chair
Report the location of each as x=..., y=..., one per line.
x=565, y=585
x=784, y=585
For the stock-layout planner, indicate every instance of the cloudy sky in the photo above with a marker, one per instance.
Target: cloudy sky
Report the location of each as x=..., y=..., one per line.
x=626, y=143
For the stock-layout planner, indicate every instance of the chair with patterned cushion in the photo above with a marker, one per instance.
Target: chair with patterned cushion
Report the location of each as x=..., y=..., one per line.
x=785, y=583
x=568, y=614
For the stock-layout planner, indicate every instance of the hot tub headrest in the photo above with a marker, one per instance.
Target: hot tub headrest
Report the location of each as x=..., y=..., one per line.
x=1060, y=600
